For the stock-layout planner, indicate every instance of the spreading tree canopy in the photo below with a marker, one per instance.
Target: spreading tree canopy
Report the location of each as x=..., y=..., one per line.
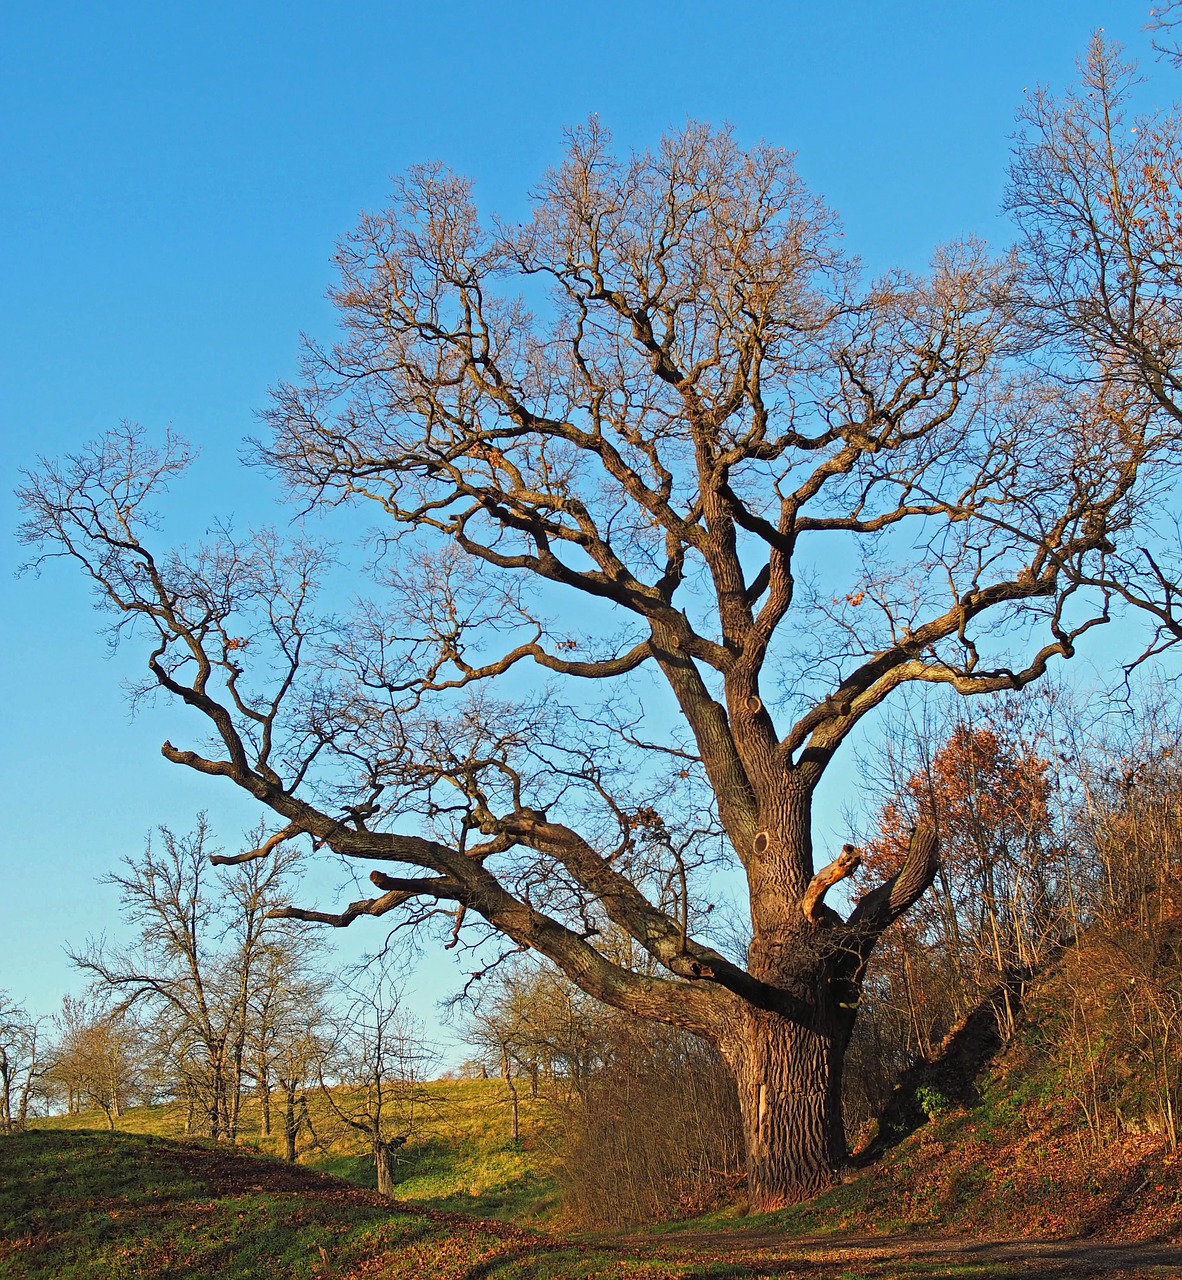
x=668, y=498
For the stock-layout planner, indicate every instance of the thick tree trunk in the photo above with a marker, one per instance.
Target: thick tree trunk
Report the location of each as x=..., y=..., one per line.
x=789, y=1084
x=788, y=1071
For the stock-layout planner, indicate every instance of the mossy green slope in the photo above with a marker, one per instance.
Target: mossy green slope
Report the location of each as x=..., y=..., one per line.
x=99, y=1206
x=460, y=1155
x=77, y=1205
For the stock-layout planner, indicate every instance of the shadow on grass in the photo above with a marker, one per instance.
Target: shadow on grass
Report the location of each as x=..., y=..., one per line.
x=78, y=1205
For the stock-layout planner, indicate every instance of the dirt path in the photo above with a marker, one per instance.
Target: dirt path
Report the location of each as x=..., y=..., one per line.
x=921, y=1255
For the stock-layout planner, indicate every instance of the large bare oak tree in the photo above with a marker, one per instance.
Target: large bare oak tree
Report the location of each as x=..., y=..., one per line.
x=668, y=500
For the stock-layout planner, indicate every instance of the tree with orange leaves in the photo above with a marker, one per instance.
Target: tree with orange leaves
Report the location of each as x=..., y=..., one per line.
x=997, y=901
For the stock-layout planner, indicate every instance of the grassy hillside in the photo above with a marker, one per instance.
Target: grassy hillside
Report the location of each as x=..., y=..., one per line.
x=1012, y=1162
x=1004, y=1155
x=460, y=1155
x=80, y=1205
x=98, y=1206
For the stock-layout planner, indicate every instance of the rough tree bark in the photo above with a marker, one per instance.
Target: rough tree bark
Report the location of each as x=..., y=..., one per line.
x=789, y=1069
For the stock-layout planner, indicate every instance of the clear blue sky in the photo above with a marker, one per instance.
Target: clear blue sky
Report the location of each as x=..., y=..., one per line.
x=174, y=179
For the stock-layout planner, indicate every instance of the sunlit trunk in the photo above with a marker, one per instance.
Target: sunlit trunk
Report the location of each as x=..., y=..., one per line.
x=789, y=1082
x=384, y=1159
x=233, y=1106
x=788, y=1072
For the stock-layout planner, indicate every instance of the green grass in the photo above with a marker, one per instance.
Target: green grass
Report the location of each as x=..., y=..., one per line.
x=135, y=1204
x=100, y=1206
x=80, y=1205
x=460, y=1155
x=161, y=1121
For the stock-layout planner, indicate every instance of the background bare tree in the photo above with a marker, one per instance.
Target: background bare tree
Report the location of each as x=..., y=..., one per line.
x=528, y=1019
x=300, y=1050
x=22, y=1063
x=1007, y=896
x=663, y=443
x=286, y=1006
x=205, y=957
x=1126, y=987
x=372, y=1075
x=1000, y=904
x=100, y=1057
x=1165, y=21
